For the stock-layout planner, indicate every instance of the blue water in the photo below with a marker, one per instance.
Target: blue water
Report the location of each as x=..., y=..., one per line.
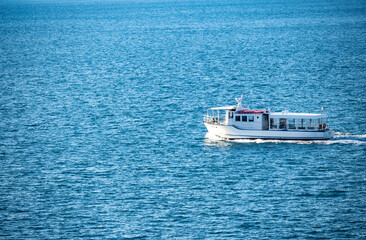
x=101, y=108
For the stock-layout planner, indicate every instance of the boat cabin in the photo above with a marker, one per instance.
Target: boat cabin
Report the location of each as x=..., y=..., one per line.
x=298, y=121
x=265, y=120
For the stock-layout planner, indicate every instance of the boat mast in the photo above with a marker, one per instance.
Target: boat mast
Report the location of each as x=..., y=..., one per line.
x=240, y=105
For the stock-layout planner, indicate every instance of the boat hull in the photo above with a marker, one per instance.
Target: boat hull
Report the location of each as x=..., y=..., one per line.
x=232, y=132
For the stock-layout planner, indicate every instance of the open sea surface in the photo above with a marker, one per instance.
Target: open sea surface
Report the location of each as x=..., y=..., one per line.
x=101, y=108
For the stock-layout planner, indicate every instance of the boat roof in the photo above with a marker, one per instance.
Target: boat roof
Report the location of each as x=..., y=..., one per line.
x=223, y=108
x=298, y=115
x=283, y=114
x=248, y=111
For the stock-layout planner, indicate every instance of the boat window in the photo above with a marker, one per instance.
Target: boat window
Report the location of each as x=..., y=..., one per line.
x=292, y=123
x=244, y=118
x=283, y=123
x=237, y=118
x=251, y=118
x=319, y=122
x=312, y=124
x=272, y=123
x=231, y=114
x=306, y=123
x=301, y=124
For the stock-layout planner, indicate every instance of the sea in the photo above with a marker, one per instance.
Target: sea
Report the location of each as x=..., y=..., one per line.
x=101, y=109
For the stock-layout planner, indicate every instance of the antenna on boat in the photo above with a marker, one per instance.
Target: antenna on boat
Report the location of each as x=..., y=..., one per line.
x=240, y=99
x=240, y=105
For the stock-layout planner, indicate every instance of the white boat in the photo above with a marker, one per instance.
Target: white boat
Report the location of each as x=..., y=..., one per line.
x=239, y=122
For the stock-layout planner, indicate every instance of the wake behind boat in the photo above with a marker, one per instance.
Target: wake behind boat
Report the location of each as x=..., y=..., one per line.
x=240, y=122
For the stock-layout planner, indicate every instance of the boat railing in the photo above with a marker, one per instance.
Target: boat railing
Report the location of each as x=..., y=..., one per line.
x=320, y=128
x=213, y=119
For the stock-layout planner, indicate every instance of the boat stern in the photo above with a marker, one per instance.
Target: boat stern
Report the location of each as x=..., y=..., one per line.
x=329, y=134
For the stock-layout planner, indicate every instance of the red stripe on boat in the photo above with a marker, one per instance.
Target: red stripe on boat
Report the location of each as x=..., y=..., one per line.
x=250, y=112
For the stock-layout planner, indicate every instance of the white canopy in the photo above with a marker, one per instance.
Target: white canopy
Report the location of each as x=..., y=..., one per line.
x=223, y=108
x=297, y=115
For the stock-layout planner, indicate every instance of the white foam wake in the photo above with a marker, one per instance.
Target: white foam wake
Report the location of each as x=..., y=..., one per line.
x=340, y=138
x=360, y=136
